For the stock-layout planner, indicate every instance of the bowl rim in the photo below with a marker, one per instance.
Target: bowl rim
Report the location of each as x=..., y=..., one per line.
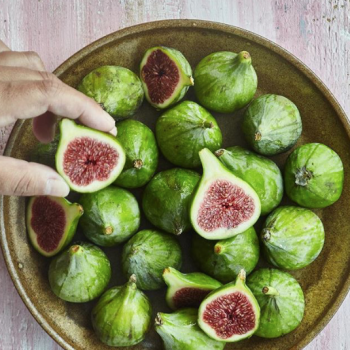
x=149, y=26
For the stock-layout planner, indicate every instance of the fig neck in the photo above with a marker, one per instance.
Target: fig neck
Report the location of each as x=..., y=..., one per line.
x=240, y=281
x=270, y=291
x=169, y=275
x=211, y=165
x=303, y=176
x=131, y=284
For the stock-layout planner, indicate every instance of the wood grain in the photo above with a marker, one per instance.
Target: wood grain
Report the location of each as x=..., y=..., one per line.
x=316, y=31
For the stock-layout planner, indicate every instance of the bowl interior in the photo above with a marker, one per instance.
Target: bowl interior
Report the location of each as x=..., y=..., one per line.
x=325, y=282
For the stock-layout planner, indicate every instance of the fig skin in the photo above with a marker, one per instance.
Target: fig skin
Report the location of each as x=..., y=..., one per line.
x=167, y=197
x=179, y=330
x=79, y=274
x=281, y=300
x=147, y=254
x=117, y=89
x=314, y=176
x=141, y=152
x=112, y=216
x=122, y=316
x=272, y=124
x=184, y=130
x=225, y=81
x=259, y=172
x=224, y=259
x=292, y=237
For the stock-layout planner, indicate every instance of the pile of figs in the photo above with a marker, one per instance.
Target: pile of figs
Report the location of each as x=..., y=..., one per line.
x=213, y=196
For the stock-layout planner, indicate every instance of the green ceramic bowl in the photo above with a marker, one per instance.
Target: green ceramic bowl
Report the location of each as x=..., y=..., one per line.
x=325, y=282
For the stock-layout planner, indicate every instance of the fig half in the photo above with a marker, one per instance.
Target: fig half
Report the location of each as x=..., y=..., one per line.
x=88, y=159
x=166, y=76
x=51, y=223
x=187, y=290
x=223, y=205
x=230, y=313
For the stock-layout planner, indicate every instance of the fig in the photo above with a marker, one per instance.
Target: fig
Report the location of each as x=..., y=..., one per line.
x=141, y=152
x=51, y=223
x=112, y=216
x=147, y=254
x=187, y=290
x=166, y=76
x=223, y=204
x=281, y=301
x=272, y=124
x=87, y=159
x=314, y=176
x=122, y=316
x=44, y=153
x=230, y=313
x=225, y=81
x=167, y=197
x=259, y=172
x=292, y=237
x=224, y=259
x=79, y=274
x=117, y=89
x=184, y=130
x=179, y=331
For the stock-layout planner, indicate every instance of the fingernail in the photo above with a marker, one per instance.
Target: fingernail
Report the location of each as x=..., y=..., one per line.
x=114, y=131
x=57, y=188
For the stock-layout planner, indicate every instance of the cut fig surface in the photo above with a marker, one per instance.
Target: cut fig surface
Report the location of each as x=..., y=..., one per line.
x=51, y=223
x=223, y=204
x=230, y=313
x=88, y=159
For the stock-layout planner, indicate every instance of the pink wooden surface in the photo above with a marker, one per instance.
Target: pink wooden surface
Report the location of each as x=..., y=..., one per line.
x=316, y=31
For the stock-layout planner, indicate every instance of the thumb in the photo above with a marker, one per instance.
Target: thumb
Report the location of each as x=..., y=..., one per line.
x=21, y=178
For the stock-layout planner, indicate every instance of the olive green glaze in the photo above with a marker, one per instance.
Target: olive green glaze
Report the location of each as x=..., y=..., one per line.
x=117, y=89
x=44, y=153
x=323, y=121
x=111, y=216
x=141, y=153
x=167, y=197
x=176, y=281
x=185, y=76
x=184, y=130
x=281, y=301
x=225, y=81
x=272, y=124
x=292, y=237
x=122, y=316
x=261, y=173
x=179, y=331
x=314, y=176
x=80, y=274
x=224, y=259
x=147, y=254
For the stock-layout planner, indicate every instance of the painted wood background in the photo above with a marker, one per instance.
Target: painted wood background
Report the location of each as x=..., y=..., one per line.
x=316, y=31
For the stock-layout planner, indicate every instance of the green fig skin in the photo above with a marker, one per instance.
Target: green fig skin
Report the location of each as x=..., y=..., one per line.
x=224, y=259
x=179, y=331
x=281, y=301
x=167, y=197
x=117, y=89
x=44, y=153
x=272, y=124
x=147, y=254
x=314, y=176
x=292, y=237
x=259, y=172
x=184, y=130
x=112, y=216
x=141, y=153
x=187, y=289
x=79, y=274
x=122, y=316
x=225, y=81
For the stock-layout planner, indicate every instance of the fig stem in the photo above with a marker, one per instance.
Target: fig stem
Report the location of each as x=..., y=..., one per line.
x=217, y=248
x=132, y=279
x=108, y=230
x=191, y=81
x=75, y=248
x=303, y=176
x=80, y=209
x=208, y=125
x=219, y=152
x=138, y=163
x=257, y=136
x=242, y=276
x=266, y=234
x=159, y=321
x=270, y=291
x=244, y=57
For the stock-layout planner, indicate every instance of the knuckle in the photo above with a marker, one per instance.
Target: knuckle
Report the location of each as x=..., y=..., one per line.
x=24, y=185
x=33, y=58
x=50, y=85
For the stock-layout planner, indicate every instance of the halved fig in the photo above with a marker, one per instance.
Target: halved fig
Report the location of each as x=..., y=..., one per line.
x=51, y=223
x=223, y=205
x=166, y=75
x=187, y=290
x=230, y=313
x=88, y=159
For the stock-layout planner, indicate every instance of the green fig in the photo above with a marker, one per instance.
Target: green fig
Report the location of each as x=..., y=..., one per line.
x=44, y=153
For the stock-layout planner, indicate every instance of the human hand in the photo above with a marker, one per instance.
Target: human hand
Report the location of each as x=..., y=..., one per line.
x=27, y=90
